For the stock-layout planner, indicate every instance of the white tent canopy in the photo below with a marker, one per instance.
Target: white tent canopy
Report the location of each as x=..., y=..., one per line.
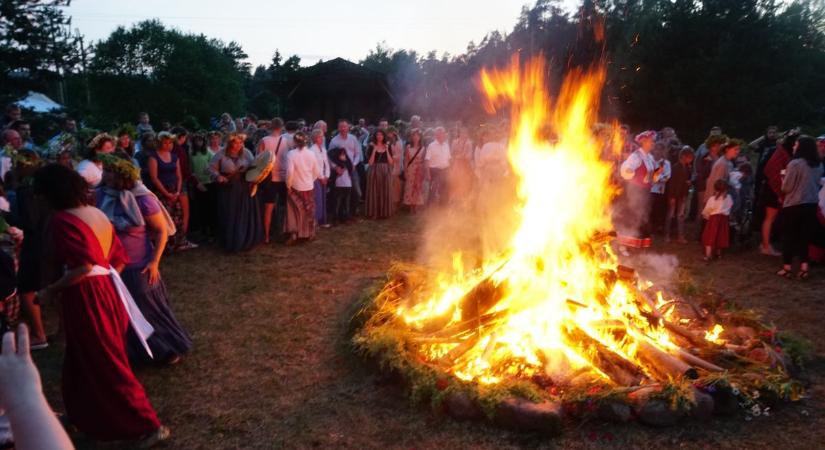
x=39, y=102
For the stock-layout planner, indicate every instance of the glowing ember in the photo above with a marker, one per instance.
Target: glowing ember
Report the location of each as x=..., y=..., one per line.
x=556, y=303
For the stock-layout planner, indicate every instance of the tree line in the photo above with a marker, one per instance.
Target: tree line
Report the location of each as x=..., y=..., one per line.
x=690, y=64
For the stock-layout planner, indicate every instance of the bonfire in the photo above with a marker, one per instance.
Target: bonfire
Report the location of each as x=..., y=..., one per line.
x=554, y=319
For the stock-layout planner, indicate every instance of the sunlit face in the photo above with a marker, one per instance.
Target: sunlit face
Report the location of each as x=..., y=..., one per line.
x=107, y=147
x=440, y=135
x=732, y=152
x=415, y=138
x=123, y=141
x=646, y=144
x=687, y=159
x=214, y=141
x=343, y=128
x=318, y=140
x=166, y=145
x=234, y=146
x=379, y=137
x=14, y=139
x=382, y=125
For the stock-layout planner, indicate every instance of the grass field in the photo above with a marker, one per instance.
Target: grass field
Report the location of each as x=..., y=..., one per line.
x=271, y=368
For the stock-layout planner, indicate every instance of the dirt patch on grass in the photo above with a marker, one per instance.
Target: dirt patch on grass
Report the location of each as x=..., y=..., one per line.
x=271, y=368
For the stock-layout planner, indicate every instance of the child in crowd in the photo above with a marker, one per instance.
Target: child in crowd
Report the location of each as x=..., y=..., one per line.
x=716, y=235
x=678, y=188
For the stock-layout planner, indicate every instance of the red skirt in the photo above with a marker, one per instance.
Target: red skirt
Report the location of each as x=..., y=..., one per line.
x=717, y=232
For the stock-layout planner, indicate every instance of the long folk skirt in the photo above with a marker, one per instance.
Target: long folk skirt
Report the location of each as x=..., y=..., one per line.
x=379, y=191
x=320, y=194
x=300, y=214
x=239, y=216
x=170, y=339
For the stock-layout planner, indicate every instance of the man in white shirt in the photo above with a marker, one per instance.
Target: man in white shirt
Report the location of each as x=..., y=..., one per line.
x=351, y=145
x=273, y=192
x=438, y=162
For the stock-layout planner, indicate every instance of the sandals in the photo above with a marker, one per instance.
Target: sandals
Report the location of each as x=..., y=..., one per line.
x=785, y=273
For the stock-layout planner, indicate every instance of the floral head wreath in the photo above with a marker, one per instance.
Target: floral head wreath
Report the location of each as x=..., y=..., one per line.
x=98, y=140
x=649, y=134
x=120, y=166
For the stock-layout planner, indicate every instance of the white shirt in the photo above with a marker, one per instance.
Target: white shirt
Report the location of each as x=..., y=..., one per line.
x=491, y=160
x=323, y=160
x=438, y=155
x=717, y=206
x=634, y=161
x=302, y=169
x=350, y=144
x=659, y=186
x=279, y=147
x=90, y=172
x=5, y=164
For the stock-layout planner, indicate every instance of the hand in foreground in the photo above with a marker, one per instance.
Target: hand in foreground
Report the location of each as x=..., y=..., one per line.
x=19, y=380
x=153, y=271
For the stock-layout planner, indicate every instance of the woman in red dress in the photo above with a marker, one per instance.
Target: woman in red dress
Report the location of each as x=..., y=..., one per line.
x=103, y=398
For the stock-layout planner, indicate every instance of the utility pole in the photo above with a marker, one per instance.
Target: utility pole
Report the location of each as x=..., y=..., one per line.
x=83, y=57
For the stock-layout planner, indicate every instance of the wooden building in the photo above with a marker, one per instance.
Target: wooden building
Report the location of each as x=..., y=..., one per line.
x=340, y=89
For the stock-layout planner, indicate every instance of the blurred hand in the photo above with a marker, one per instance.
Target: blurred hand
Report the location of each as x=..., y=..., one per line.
x=222, y=179
x=153, y=271
x=19, y=380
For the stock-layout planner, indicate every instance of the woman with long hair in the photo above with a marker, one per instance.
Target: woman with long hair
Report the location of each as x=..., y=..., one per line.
x=772, y=190
x=200, y=155
x=319, y=149
x=166, y=181
x=396, y=151
x=103, y=399
x=415, y=171
x=143, y=227
x=461, y=176
x=379, y=177
x=240, y=223
x=800, y=190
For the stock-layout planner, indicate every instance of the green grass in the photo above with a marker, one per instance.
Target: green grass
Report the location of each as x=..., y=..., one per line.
x=272, y=368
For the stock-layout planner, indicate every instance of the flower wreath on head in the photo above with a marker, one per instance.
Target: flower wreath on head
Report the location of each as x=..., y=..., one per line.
x=120, y=166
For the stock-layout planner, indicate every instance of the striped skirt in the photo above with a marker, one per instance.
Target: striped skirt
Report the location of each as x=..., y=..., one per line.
x=300, y=214
x=379, y=191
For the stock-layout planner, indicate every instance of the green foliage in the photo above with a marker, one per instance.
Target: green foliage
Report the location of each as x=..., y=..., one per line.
x=167, y=73
x=800, y=350
x=35, y=46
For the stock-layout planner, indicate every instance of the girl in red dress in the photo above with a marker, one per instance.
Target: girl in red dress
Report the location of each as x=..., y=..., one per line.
x=716, y=234
x=103, y=398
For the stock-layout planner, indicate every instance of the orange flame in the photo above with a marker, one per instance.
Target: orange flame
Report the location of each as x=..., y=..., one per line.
x=552, y=275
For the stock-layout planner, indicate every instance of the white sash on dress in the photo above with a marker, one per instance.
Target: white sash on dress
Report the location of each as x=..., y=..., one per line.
x=142, y=327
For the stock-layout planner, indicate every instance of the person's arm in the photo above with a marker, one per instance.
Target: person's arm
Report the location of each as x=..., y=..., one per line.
x=389, y=154
x=791, y=180
x=153, y=176
x=629, y=166
x=290, y=172
x=157, y=223
x=33, y=423
x=372, y=152
x=179, y=172
x=70, y=278
x=214, y=169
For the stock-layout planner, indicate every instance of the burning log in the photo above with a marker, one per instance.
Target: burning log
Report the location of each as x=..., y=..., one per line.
x=481, y=298
x=698, y=362
x=663, y=362
x=620, y=370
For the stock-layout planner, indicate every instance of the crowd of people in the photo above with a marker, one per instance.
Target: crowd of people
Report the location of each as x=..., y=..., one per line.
x=667, y=183
x=90, y=228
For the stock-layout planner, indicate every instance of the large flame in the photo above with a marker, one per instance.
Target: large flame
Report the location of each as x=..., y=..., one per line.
x=555, y=309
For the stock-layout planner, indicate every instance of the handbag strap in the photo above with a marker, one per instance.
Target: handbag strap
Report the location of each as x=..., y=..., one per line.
x=416, y=154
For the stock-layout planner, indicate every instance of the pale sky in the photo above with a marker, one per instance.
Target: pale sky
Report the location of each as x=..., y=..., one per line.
x=320, y=29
